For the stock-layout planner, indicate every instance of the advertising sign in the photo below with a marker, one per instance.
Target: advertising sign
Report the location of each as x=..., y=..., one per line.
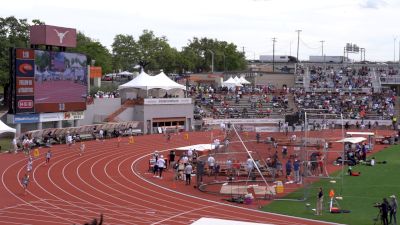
x=95, y=72
x=26, y=118
x=48, y=117
x=25, y=67
x=52, y=35
x=266, y=129
x=24, y=81
x=242, y=121
x=167, y=101
x=25, y=54
x=25, y=86
x=248, y=128
x=73, y=115
x=25, y=104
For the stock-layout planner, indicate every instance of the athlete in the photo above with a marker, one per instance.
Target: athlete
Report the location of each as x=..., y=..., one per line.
x=82, y=148
x=29, y=166
x=25, y=182
x=48, y=156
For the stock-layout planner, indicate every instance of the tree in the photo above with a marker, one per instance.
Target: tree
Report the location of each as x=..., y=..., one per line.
x=94, y=51
x=13, y=33
x=226, y=55
x=157, y=52
x=124, y=52
x=189, y=60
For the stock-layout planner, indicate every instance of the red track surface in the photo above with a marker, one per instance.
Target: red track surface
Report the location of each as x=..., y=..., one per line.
x=112, y=181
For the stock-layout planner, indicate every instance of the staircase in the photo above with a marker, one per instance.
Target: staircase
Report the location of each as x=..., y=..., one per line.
x=306, y=80
x=397, y=107
x=291, y=104
x=376, y=82
x=113, y=117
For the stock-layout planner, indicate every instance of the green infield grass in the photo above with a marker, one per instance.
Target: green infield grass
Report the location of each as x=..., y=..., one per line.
x=359, y=193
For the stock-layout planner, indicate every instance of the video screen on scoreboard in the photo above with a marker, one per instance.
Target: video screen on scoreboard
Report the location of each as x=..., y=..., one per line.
x=50, y=81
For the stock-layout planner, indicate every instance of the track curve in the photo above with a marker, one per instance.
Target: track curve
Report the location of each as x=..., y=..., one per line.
x=114, y=181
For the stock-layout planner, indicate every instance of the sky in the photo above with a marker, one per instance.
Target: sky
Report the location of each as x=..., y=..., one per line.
x=249, y=24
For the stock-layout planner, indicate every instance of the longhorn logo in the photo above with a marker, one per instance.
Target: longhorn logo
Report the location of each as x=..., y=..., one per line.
x=25, y=68
x=61, y=35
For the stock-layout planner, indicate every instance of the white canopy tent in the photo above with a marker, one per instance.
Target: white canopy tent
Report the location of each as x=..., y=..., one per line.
x=198, y=147
x=4, y=128
x=148, y=83
x=243, y=80
x=125, y=73
x=230, y=83
x=353, y=140
x=166, y=83
x=142, y=81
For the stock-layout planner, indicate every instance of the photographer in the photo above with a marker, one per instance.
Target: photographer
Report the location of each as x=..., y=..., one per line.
x=384, y=209
x=393, y=210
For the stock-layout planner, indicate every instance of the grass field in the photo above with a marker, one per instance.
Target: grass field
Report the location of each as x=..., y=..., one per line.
x=5, y=143
x=359, y=193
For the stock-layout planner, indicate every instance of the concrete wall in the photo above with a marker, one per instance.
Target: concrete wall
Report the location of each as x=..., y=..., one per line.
x=275, y=79
x=101, y=106
x=148, y=112
x=126, y=115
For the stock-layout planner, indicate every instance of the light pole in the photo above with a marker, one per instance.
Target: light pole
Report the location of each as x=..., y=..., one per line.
x=322, y=42
x=394, y=49
x=212, y=60
x=298, y=42
x=223, y=54
x=273, y=54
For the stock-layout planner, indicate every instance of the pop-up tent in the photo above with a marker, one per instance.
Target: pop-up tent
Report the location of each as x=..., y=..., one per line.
x=243, y=80
x=166, y=83
x=4, y=128
x=142, y=81
x=231, y=83
x=125, y=73
x=147, y=82
x=353, y=140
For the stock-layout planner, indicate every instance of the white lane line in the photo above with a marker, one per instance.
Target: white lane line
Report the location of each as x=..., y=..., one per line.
x=91, y=186
x=224, y=204
x=65, y=155
x=30, y=219
x=183, y=213
x=177, y=199
x=12, y=193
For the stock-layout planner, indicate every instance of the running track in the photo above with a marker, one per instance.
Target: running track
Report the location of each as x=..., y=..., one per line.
x=74, y=189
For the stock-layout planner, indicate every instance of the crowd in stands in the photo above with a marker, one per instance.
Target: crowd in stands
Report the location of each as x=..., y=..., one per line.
x=342, y=77
x=353, y=106
x=246, y=102
x=101, y=94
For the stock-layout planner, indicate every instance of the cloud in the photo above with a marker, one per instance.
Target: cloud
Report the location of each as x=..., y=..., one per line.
x=373, y=4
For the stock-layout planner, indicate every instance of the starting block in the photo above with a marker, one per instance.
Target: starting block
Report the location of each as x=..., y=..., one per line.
x=186, y=136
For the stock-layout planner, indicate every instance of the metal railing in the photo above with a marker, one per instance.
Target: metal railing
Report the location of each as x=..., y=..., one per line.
x=390, y=80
